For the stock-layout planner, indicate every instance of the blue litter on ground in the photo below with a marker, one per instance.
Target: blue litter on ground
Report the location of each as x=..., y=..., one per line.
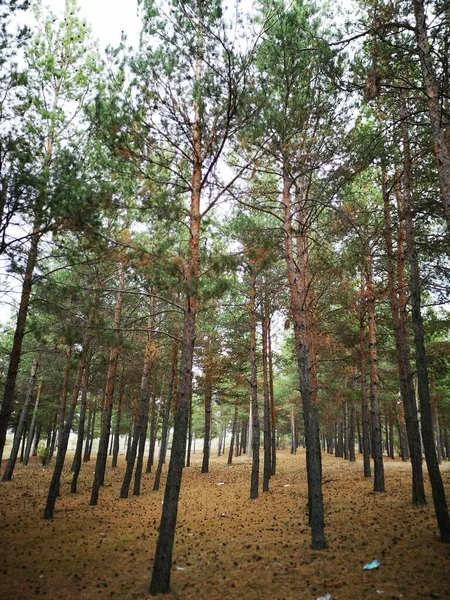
x=372, y=565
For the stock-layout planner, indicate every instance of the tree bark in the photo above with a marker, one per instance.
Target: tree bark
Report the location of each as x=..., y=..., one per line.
x=253, y=385
x=437, y=486
x=297, y=272
x=160, y=582
x=62, y=447
x=208, y=404
x=398, y=304
x=118, y=420
x=16, y=351
x=33, y=425
x=7, y=475
x=439, y=121
x=165, y=425
x=141, y=423
x=102, y=452
x=364, y=398
x=377, y=446
x=76, y=466
x=266, y=393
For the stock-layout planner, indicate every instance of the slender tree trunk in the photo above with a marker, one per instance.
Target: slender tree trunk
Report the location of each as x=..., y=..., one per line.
x=398, y=304
x=233, y=434
x=165, y=425
x=439, y=120
x=76, y=466
x=153, y=422
x=33, y=425
x=377, y=447
x=7, y=475
x=293, y=433
x=266, y=393
x=253, y=385
x=364, y=397
x=62, y=447
x=351, y=437
x=63, y=399
x=140, y=456
x=102, y=452
x=16, y=351
x=141, y=423
x=160, y=582
x=88, y=435
x=437, y=486
x=118, y=420
x=273, y=424
x=297, y=272
x=208, y=404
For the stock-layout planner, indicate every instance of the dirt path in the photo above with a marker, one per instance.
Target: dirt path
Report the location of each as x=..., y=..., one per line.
x=226, y=545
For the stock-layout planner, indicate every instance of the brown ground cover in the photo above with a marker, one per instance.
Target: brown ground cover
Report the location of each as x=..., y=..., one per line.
x=226, y=545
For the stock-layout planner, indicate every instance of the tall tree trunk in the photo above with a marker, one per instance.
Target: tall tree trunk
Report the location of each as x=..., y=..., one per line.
x=439, y=120
x=253, y=385
x=208, y=404
x=153, y=422
x=364, y=397
x=33, y=424
x=377, y=446
x=102, y=452
x=63, y=399
x=7, y=475
x=118, y=419
x=233, y=435
x=141, y=422
x=297, y=272
x=273, y=424
x=437, y=486
x=88, y=434
x=351, y=437
x=165, y=425
x=62, y=447
x=16, y=351
x=76, y=466
x=266, y=392
x=160, y=582
x=398, y=304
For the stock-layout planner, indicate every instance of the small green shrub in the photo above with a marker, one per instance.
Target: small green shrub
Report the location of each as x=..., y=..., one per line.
x=43, y=454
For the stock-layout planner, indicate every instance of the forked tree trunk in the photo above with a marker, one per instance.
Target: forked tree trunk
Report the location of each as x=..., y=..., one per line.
x=16, y=351
x=7, y=475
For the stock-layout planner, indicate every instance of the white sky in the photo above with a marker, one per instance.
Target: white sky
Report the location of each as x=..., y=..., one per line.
x=108, y=18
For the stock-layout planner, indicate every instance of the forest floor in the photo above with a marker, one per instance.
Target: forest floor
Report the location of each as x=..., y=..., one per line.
x=226, y=546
